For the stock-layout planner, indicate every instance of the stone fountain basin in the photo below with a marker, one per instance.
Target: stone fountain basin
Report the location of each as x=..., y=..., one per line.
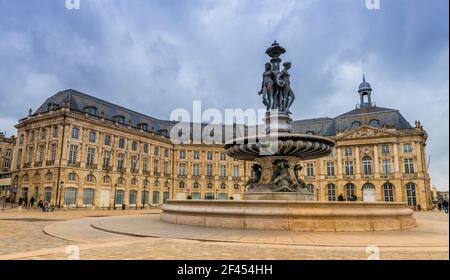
x=303, y=146
x=290, y=215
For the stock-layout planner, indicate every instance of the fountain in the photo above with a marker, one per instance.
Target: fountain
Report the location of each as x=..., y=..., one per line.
x=276, y=197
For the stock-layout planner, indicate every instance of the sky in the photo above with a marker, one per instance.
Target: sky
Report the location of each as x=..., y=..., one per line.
x=155, y=56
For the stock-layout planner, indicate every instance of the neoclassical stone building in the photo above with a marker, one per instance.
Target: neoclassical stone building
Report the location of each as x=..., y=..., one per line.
x=77, y=150
x=6, y=157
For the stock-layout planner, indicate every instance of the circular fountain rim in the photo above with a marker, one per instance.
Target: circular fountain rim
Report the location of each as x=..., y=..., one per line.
x=282, y=137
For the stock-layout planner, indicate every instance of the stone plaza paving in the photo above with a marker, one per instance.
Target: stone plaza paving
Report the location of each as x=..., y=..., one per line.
x=139, y=234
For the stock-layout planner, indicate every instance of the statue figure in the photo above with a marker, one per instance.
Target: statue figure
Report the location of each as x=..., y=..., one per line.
x=286, y=95
x=300, y=182
x=268, y=86
x=282, y=179
x=256, y=176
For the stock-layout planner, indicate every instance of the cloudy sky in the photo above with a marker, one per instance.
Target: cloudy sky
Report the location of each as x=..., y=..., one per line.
x=154, y=56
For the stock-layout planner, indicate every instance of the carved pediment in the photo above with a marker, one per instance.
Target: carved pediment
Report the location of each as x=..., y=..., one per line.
x=366, y=131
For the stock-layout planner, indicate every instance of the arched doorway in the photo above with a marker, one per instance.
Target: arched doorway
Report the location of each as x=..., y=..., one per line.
x=369, y=193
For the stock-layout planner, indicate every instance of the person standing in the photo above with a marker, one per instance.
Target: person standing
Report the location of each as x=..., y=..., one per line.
x=445, y=206
x=32, y=200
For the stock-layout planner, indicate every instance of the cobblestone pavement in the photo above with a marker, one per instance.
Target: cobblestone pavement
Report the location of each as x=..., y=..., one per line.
x=24, y=239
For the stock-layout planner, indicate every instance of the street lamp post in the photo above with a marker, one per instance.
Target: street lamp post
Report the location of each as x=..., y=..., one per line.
x=115, y=193
x=60, y=192
x=144, y=194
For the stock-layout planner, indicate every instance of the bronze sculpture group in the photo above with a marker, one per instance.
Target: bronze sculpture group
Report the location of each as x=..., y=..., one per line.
x=276, y=88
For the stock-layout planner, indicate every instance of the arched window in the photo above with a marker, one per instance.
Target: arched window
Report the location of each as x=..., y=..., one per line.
x=209, y=196
x=236, y=186
x=145, y=183
x=106, y=180
x=36, y=178
x=331, y=190
x=369, y=193
x=310, y=188
x=411, y=194
x=350, y=190
x=48, y=176
x=367, y=165
x=181, y=185
x=210, y=186
x=388, y=191
x=25, y=178
x=121, y=181
x=374, y=123
x=72, y=176
x=132, y=198
x=119, y=197
x=356, y=124
x=88, y=197
x=223, y=186
x=156, y=183
x=70, y=196
x=90, y=178
x=134, y=181
x=48, y=194
x=196, y=185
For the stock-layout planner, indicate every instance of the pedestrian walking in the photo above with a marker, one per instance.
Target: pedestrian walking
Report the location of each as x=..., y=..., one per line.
x=445, y=206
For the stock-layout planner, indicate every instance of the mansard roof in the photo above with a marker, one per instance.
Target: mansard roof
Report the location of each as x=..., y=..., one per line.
x=375, y=116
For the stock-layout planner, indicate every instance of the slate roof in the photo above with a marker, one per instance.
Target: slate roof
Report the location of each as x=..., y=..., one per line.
x=79, y=101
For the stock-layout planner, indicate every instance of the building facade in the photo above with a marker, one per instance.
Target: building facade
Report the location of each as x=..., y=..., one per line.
x=77, y=150
x=6, y=158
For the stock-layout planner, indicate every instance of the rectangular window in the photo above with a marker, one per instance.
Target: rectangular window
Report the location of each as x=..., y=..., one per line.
x=21, y=139
x=348, y=151
x=407, y=148
x=32, y=136
x=196, y=155
x=30, y=154
x=155, y=167
x=122, y=143
x=209, y=169
x=73, y=153
x=349, y=168
x=75, y=133
x=236, y=171
x=182, y=154
x=107, y=140
x=156, y=151
x=92, y=137
x=309, y=170
x=120, y=161
x=106, y=158
x=330, y=168
x=166, y=152
x=55, y=132
x=19, y=158
x=209, y=156
x=409, y=166
x=53, y=152
x=223, y=170
x=145, y=165
x=196, y=169
x=386, y=166
x=133, y=163
x=223, y=156
x=43, y=134
x=145, y=148
x=41, y=154
x=166, y=168
x=134, y=146
x=182, y=169
x=385, y=149
x=90, y=156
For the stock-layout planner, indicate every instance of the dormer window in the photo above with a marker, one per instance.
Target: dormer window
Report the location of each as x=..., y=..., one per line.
x=163, y=132
x=356, y=124
x=310, y=132
x=52, y=106
x=143, y=126
x=91, y=110
x=374, y=123
x=119, y=118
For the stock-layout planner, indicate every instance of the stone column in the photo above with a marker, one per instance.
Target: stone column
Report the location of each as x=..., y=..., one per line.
x=376, y=160
x=357, y=163
x=396, y=158
x=419, y=157
x=339, y=151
